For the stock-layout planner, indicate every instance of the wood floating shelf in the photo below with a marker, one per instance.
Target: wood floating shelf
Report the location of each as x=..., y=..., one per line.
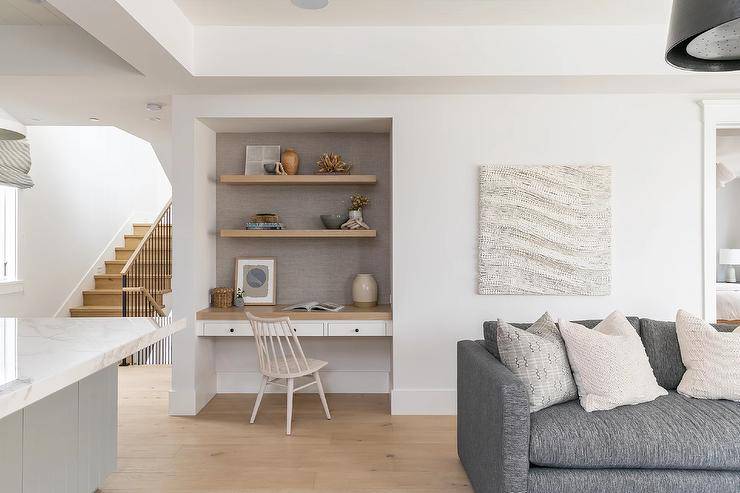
x=298, y=233
x=299, y=179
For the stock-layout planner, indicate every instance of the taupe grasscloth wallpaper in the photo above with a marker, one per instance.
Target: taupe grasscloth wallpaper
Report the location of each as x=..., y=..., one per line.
x=319, y=269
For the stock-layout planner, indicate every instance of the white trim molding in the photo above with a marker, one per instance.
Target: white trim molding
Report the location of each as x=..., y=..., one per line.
x=9, y=287
x=718, y=114
x=424, y=402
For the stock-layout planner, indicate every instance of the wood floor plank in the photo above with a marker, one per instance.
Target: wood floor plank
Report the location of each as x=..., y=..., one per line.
x=363, y=449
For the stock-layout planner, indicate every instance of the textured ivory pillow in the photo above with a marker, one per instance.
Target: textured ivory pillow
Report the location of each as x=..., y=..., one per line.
x=609, y=363
x=537, y=357
x=711, y=358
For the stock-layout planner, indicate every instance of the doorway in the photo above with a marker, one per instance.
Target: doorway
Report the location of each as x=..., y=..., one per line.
x=721, y=245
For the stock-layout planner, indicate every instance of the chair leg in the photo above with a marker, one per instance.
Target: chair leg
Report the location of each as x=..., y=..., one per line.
x=290, y=405
x=321, y=394
x=263, y=384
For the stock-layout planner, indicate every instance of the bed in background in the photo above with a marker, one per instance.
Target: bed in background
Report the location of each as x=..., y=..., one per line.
x=728, y=307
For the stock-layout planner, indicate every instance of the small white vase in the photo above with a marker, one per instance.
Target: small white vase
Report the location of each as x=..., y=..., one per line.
x=365, y=290
x=356, y=215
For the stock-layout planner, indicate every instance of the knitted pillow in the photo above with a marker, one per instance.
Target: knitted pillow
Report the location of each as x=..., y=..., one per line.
x=711, y=358
x=537, y=357
x=609, y=364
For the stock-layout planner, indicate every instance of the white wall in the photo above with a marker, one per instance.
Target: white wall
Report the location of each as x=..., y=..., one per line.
x=652, y=142
x=728, y=198
x=193, y=260
x=89, y=183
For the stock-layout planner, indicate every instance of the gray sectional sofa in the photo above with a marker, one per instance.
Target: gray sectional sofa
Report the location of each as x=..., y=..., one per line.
x=674, y=444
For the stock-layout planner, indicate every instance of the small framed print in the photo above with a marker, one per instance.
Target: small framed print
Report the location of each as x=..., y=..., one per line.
x=258, y=157
x=257, y=278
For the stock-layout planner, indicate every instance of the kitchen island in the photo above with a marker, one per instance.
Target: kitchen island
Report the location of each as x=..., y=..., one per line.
x=58, y=398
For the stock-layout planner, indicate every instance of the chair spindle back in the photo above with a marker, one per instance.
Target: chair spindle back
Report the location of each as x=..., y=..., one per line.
x=278, y=348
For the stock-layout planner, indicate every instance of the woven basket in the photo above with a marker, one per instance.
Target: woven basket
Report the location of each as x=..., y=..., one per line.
x=222, y=297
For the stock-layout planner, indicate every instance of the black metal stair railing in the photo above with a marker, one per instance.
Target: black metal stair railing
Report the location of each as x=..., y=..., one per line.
x=145, y=279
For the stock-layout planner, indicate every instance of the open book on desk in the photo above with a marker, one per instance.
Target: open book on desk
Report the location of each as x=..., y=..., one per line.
x=314, y=306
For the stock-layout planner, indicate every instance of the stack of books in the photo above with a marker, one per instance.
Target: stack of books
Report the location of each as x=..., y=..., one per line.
x=251, y=225
x=265, y=221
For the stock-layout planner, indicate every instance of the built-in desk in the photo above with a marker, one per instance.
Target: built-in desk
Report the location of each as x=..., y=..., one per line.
x=351, y=321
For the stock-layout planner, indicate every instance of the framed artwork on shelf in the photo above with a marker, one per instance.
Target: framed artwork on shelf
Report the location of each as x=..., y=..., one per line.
x=257, y=278
x=258, y=157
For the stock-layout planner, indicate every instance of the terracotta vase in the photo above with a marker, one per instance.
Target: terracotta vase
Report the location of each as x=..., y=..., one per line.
x=291, y=160
x=365, y=290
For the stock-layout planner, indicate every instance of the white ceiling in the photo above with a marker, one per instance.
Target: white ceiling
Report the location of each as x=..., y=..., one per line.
x=30, y=13
x=427, y=12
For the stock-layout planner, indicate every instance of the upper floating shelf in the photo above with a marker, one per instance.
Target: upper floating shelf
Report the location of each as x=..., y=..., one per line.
x=299, y=179
x=298, y=233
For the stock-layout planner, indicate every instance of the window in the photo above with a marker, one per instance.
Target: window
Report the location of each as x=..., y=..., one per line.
x=8, y=233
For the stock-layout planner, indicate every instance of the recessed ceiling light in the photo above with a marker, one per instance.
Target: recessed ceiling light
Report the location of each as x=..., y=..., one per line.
x=310, y=4
x=35, y=119
x=155, y=119
x=94, y=119
x=154, y=106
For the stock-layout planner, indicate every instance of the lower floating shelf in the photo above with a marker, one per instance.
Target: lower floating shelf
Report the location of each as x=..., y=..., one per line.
x=298, y=233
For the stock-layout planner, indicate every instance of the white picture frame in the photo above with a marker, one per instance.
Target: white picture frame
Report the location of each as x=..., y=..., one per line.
x=258, y=156
x=257, y=278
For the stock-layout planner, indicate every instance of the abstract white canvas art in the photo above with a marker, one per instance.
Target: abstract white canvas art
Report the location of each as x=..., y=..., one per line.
x=545, y=230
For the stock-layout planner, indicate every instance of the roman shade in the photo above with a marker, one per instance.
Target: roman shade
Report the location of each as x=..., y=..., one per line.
x=15, y=163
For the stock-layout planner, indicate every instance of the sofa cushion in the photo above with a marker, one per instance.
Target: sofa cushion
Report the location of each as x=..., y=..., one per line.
x=661, y=345
x=671, y=432
x=609, y=364
x=538, y=358
x=490, y=328
x=711, y=357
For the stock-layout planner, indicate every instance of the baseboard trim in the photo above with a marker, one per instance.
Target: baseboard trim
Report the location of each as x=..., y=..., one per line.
x=424, y=402
x=334, y=381
x=188, y=403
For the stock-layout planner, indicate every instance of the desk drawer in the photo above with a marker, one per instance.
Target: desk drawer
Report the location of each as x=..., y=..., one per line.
x=221, y=329
x=308, y=329
x=356, y=329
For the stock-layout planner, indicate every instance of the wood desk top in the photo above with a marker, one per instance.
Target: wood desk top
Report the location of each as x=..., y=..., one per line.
x=349, y=312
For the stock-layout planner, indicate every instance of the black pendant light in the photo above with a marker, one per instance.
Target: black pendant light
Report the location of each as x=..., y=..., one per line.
x=704, y=35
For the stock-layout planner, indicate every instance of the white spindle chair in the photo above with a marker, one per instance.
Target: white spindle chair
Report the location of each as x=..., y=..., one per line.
x=281, y=357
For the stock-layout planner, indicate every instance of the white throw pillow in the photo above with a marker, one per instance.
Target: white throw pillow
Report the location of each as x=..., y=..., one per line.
x=609, y=364
x=711, y=358
x=537, y=357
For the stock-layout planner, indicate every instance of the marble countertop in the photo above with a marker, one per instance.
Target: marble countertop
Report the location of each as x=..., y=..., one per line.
x=39, y=356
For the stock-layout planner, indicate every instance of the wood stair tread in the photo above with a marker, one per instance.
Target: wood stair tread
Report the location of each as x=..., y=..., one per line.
x=123, y=262
x=118, y=276
x=116, y=291
x=105, y=299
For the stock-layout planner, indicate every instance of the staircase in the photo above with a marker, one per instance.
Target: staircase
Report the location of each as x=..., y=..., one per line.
x=143, y=265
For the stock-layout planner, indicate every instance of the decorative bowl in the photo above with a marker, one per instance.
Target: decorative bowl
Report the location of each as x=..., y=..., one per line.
x=270, y=168
x=334, y=221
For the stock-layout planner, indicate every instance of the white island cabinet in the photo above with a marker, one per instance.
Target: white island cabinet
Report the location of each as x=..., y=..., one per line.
x=58, y=398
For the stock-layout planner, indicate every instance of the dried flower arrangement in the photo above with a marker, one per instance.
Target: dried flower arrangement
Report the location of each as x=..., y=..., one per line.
x=358, y=202
x=332, y=163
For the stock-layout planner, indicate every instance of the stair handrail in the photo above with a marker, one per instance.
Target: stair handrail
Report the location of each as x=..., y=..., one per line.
x=157, y=307
x=146, y=237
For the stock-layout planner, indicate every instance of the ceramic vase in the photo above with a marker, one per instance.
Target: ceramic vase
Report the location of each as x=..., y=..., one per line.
x=365, y=291
x=356, y=215
x=291, y=161
x=238, y=301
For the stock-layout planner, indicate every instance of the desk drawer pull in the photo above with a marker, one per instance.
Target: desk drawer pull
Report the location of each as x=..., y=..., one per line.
x=356, y=329
x=231, y=330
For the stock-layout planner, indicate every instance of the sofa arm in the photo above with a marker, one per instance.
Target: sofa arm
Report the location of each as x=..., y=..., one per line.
x=492, y=422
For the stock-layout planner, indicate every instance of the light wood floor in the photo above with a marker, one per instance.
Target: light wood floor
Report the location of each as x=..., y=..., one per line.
x=362, y=449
